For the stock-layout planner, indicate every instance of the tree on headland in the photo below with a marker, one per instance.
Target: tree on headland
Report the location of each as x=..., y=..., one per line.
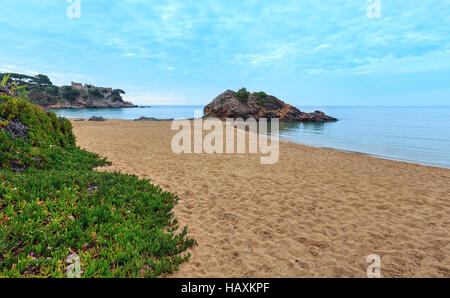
x=40, y=90
x=116, y=95
x=38, y=81
x=42, y=80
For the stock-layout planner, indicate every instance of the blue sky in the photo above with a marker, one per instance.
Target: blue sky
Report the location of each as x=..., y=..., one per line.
x=308, y=52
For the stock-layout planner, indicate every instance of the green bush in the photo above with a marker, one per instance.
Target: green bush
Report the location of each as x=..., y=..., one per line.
x=52, y=204
x=50, y=143
x=45, y=128
x=70, y=93
x=243, y=95
x=261, y=95
x=52, y=90
x=116, y=95
x=261, y=98
x=95, y=93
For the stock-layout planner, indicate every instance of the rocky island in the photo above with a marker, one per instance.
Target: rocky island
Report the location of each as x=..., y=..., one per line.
x=243, y=104
x=40, y=90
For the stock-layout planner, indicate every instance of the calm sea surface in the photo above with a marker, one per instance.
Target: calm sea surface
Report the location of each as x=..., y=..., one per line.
x=412, y=134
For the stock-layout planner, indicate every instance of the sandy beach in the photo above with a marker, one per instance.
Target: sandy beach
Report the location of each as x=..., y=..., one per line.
x=315, y=213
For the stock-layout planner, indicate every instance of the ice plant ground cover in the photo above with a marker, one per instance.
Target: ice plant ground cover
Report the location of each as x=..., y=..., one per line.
x=52, y=205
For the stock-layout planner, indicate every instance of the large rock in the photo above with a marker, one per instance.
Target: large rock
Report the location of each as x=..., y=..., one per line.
x=259, y=105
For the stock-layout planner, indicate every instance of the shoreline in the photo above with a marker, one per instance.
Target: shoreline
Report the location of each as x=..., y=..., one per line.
x=301, y=144
x=375, y=156
x=316, y=213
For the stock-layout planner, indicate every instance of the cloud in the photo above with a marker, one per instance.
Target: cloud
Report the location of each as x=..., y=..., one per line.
x=225, y=43
x=7, y=68
x=268, y=58
x=321, y=47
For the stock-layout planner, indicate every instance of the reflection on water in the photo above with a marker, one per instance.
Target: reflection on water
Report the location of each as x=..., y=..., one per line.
x=412, y=134
x=286, y=128
x=315, y=127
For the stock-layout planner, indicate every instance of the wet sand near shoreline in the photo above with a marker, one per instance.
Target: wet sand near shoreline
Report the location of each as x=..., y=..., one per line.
x=316, y=213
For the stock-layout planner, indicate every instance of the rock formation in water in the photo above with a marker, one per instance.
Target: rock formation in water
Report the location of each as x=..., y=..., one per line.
x=243, y=104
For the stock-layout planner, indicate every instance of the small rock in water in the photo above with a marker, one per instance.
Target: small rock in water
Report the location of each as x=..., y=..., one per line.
x=97, y=118
x=151, y=119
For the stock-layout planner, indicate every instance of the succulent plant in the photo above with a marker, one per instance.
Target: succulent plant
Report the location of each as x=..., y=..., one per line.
x=11, y=88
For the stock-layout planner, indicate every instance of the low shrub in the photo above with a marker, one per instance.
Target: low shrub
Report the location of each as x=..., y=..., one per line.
x=261, y=98
x=52, y=205
x=45, y=128
x=70, y=93
x=119, y=225
x=95, y=93
x=243, y=95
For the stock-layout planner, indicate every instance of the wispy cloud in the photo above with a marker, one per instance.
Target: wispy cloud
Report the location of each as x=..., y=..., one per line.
x=7, y=68
x=174, y=44
x=267, y=58
x=322, y=47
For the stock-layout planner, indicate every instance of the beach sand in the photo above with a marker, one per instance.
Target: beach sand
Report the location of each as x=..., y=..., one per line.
x=316, y=213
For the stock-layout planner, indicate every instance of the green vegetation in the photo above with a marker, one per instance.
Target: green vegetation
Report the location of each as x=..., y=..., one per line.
x=52, y=204
x=42, y=80
x=117, y=95
x=70, y=93
x=37, y=82
x=261, y=98
x=243, y=95
x=261, y=95
x=95, y=92
x=8, y=87
x=52, y=90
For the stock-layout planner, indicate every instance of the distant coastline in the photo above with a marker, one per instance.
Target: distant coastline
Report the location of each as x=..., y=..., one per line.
x=40, y=91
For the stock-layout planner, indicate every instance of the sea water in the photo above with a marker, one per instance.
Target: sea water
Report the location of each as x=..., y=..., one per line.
x=411, y=134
